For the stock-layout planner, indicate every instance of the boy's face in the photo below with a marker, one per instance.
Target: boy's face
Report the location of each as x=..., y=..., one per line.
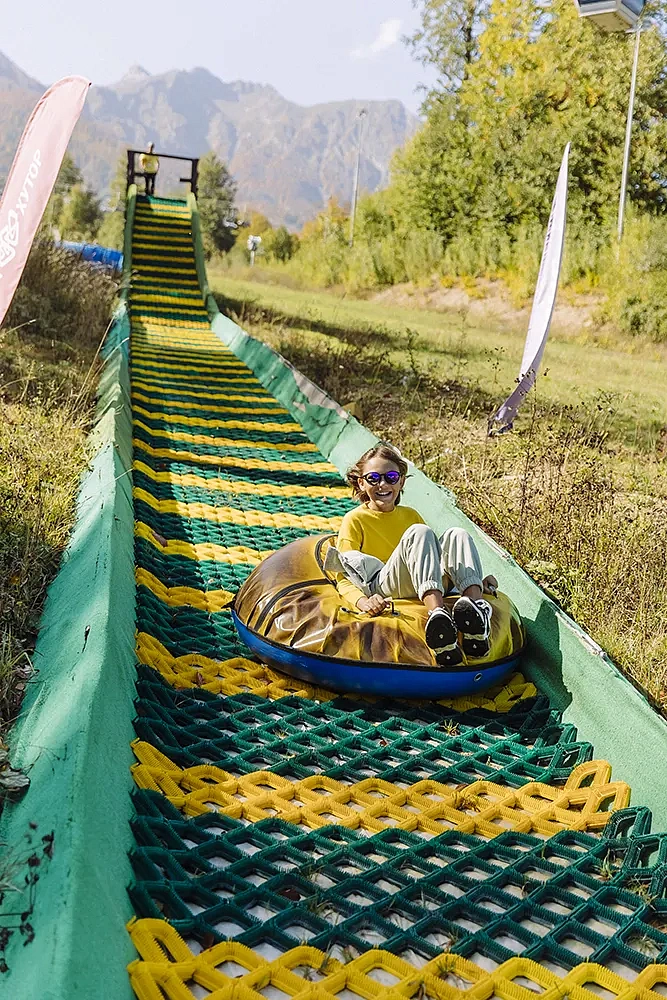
x=382, y=496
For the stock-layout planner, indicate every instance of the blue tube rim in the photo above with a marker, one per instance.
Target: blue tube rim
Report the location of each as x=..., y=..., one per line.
x=376, y=665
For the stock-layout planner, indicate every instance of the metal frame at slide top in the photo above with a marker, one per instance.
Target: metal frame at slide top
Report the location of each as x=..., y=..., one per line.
x=574, y=672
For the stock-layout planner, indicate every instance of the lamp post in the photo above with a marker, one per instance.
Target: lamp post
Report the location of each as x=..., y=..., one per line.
x=628, y=135
x=618, y=15
x=355, y=191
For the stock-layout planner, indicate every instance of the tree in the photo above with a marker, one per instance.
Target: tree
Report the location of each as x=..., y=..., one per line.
x=448, y=38
x=81, y=216
x=331, y=223
x=217, y=191
x=69, y=175
x=488, y=155
x=375, y=217
x=111, y=232
x=118, y=185
x=258, y=224
x=281, y=244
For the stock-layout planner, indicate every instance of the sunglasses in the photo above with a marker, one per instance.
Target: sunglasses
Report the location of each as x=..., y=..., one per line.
x=375, y=478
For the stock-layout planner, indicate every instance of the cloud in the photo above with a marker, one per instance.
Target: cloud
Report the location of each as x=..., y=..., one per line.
x=388, y=35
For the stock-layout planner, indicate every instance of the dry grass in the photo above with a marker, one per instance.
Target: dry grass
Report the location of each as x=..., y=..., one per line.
x=47, y=380
x=578, y=501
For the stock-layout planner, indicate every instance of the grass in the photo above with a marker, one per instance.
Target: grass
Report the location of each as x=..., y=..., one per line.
x=578, y=493
x=488, y=352
x=48, y=347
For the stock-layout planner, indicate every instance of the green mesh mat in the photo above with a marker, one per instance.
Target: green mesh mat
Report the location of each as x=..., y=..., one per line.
x=562, y=900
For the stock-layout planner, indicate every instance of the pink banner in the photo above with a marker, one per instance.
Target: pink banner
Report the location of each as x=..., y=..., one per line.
x=32, y=176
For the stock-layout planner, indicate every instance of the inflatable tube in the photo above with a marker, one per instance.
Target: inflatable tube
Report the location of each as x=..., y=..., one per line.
x=291, y=615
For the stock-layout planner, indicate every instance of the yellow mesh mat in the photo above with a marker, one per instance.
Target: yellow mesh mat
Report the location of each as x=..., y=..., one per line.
x=427, y=807
x=232, y=971
x=239, y=675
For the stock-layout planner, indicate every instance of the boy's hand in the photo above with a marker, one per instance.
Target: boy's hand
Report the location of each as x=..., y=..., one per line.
x=490, y=585
x=373, y=605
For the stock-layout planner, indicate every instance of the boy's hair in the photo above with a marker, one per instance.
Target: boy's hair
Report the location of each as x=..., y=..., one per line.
x=356, y=471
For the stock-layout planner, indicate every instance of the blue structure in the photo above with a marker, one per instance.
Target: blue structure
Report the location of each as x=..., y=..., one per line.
x=94, y=254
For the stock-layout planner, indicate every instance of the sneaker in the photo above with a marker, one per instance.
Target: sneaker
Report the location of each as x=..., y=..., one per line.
x=441, y=637
x=473, y=619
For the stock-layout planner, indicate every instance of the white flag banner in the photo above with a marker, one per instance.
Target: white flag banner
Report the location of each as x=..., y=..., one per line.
x=543, y=305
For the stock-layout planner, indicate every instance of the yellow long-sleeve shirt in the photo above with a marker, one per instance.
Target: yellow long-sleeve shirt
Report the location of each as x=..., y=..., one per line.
x=148, y=164
x=374, y=532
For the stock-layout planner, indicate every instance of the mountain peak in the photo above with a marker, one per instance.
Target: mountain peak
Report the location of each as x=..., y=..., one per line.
x=135, y=72
x=287, y=159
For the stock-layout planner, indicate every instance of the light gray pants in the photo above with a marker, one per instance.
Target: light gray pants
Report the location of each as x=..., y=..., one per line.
x=421, y=561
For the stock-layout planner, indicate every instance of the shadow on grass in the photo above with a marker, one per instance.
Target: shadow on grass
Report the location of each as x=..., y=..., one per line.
x=379, y=384
x=251, y=311
x=355, y=364
x=457, y=346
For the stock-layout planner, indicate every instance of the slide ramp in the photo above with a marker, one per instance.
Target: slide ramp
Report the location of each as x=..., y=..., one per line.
x=293, y=842
x=279, y=840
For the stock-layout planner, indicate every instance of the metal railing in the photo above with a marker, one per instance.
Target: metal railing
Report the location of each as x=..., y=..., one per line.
x=133, y=173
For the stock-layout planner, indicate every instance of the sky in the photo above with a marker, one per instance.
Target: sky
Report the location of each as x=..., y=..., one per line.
x=309, y=50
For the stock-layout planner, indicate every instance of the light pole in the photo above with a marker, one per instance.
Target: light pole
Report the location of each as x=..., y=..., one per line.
x=628, y=135
x=616, y=16
x=355, y=191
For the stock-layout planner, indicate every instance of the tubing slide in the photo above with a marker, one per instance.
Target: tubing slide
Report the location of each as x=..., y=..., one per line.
x=279, y=840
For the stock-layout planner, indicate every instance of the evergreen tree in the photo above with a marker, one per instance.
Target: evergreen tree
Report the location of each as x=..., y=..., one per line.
x=112, y=230
x=81, y=216
x=215, y=198
x=68, y=175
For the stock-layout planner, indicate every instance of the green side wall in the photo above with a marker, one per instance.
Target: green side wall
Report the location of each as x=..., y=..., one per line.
x=130, y=207
x=572, y=670
x=75, y=727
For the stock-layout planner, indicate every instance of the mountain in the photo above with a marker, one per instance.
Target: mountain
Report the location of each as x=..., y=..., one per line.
x=11, y=77
x=287, y=159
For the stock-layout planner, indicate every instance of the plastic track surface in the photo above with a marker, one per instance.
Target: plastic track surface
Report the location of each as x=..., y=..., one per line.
x=292, y=842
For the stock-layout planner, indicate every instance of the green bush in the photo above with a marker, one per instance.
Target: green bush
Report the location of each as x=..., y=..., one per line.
x=61, y=298
x=631, y=281
x=422, y=254
x=48, y=374
x=280, y=244
x=112, y=231
x=634, y=278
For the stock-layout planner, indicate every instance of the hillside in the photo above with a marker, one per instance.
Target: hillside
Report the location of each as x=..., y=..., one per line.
x=287, y=159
